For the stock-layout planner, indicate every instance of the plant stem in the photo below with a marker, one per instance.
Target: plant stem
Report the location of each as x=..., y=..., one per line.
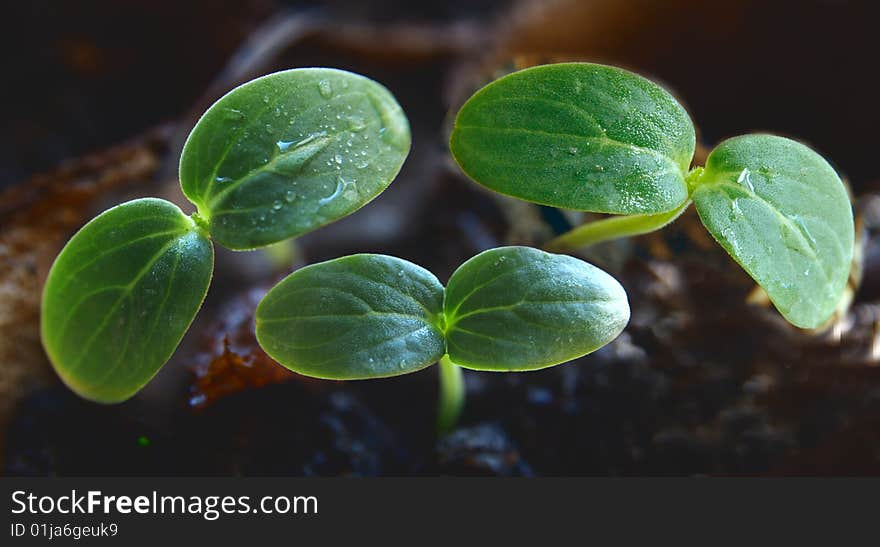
x=452, y=393
x=282, y=255
x=613, y=228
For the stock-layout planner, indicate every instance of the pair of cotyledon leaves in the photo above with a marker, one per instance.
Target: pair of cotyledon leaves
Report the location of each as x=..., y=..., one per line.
x=290, y=152
x=597, y=138
x=506, y=309
x=275, y=158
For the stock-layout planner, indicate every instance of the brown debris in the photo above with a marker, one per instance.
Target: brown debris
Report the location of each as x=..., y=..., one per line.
x=230, y=372
x=232, y=361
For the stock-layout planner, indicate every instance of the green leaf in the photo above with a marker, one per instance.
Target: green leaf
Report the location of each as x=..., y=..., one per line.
x=121, y=295
x=518, y=308
x=290, y=152
x=577, y=136
x=356, y=317
x=784, y=215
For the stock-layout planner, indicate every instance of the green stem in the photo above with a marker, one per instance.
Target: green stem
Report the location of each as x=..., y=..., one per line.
x=613, y=228
x=452, y=394
x=283, y=254
x=201, y=224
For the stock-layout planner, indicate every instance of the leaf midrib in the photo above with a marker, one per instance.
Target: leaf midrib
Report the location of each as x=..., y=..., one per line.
x=125, y=293
x=591, y=139
x=212, y=198
x=781, y=216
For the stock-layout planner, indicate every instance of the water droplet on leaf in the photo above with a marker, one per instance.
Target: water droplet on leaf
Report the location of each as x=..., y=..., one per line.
x=356, y=123
x=325, y=89
x=745, y=178
x=235, y=115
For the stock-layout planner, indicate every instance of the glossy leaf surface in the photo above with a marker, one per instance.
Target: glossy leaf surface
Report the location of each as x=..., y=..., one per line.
x=121, y=295
x=577, y=136
x=356, y=317
x=784, y=215
x=290, y=152
x=518, y=308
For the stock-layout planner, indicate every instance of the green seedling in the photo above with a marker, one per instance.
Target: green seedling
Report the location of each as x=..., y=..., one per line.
x=596, y=138
x=273, y=159
x=374, y=316
x=293, y=151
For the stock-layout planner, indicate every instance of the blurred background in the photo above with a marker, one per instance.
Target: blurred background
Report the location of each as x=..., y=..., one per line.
x=707, y=379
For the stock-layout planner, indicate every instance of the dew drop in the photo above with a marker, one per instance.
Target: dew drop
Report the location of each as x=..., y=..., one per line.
x=340, y=184
x=222, y=179
x=356, y=124
x=745, y=178
x=806, y=231
x=289, y=196
x=235, y=115
x=796, y=240
x=736, y=208
x=276, y=205
x=325, y=89
x=312, y=137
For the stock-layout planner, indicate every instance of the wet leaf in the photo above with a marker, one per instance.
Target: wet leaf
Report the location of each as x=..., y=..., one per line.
x=518, y=308
x=121, y=295
x=577, y=136
x=360, y=316
x=784, y=215
x=290, y=152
